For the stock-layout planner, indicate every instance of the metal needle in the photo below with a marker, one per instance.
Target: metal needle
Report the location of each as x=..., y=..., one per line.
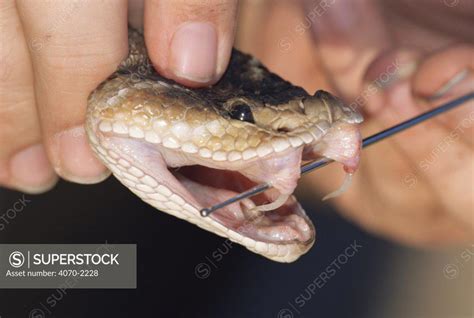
x=366, y=142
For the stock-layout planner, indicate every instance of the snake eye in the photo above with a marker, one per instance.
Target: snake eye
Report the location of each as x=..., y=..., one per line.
x=242, y=112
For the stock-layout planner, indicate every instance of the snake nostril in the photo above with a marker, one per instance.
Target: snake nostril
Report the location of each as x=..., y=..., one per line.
x=283, y=130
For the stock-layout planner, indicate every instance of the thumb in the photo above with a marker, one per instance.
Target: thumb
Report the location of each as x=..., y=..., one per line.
x=190, y=41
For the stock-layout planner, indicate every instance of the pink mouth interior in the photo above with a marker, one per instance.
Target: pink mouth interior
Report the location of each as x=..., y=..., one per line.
x=202, y=186
x=287, y=223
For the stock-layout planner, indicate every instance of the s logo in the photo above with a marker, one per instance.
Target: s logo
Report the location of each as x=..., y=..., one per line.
x=16, y=259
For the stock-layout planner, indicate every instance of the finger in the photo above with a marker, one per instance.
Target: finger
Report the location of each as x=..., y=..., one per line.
x=190, y=41
x=384, y=77
x=76, y=45
x=438, y=69
x=443, y=76
x=349, y=35
x=23, y=161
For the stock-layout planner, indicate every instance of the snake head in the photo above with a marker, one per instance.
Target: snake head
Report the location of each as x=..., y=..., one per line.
x=182, y=149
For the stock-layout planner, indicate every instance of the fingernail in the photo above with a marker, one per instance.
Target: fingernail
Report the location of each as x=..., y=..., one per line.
x=77, y=162
x=31, y=171
x=193, y=51
x=455, y=80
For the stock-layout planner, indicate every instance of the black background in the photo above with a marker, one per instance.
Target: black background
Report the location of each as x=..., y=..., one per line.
x=241, y=284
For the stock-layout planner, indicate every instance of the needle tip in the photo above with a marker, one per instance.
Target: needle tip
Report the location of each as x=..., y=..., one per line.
x=205, y=212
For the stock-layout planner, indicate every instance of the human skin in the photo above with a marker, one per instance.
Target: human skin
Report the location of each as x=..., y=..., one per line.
x=52, y=57
x=416, y=187
x=53, y=54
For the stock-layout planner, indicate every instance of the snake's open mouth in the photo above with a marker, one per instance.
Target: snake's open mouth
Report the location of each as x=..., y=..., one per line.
x=285, y=224
x=182, y=185
x=272, y=223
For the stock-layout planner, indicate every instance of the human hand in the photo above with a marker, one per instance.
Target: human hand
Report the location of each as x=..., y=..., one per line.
x=393, y=60
x=53, y=54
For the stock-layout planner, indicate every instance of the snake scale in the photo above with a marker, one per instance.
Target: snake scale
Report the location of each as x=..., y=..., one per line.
x=182, y=149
